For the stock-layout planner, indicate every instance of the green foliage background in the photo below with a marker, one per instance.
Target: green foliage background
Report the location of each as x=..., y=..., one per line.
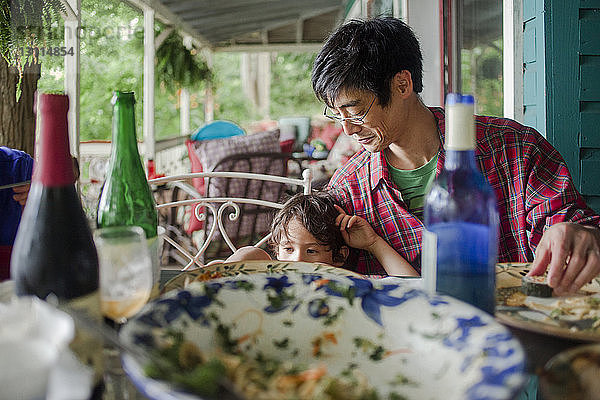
x=112, y=59
x=481, y=69
x=26, y=24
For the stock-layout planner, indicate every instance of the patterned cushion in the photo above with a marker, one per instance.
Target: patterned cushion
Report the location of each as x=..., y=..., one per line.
x=194, y=224
x=211, y=153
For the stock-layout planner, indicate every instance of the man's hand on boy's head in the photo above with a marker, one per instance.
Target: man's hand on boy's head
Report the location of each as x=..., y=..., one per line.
x=356, y=231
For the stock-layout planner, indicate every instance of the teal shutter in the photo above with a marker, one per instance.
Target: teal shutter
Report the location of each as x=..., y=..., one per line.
x=588, y=94
x=561, y=97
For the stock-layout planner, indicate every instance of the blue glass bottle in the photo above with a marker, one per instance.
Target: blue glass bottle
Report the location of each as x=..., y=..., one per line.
x=460, y=241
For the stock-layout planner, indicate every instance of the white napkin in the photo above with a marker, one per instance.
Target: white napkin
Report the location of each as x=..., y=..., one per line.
x=71, y=380
x=36, y=362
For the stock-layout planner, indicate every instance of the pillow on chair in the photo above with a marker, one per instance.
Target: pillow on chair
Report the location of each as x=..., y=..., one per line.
x=194, y=223
x=213, y=152
x=219, y=155
x=205, y=154
x=210, y=152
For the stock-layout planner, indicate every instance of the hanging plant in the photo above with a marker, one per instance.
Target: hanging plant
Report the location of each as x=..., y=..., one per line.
x=28, y=29
x=179, y=67
x=25, y=25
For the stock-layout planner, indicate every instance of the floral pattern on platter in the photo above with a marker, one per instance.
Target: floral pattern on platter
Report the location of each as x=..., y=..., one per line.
x=222, y=270
x=402, y=338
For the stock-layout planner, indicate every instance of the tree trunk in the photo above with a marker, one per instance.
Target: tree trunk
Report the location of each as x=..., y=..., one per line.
x=8, y=87
x=17, y=116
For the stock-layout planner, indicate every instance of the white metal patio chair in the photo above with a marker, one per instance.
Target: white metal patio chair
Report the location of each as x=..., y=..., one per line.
x=234, y=207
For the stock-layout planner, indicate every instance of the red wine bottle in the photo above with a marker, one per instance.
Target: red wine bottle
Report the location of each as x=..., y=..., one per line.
x=54, y=253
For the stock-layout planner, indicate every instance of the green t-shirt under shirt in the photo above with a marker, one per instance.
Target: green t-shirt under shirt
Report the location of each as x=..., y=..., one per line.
x=413, y=184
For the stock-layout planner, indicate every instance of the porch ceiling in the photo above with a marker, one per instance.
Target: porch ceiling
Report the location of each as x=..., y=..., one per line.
x=234, y=25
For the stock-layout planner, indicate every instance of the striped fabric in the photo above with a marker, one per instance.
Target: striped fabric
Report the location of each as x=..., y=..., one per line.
x=530, y=178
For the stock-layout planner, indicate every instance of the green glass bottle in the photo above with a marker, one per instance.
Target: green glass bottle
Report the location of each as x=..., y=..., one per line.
x=126, y=198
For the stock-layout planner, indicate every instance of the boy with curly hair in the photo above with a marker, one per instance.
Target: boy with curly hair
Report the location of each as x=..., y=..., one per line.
x=312, y=228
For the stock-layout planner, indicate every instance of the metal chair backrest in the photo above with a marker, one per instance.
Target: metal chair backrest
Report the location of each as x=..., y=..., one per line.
x=252, y=199
x=254, y=221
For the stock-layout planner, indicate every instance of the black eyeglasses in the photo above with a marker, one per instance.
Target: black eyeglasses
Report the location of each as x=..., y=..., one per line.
x=353, y=120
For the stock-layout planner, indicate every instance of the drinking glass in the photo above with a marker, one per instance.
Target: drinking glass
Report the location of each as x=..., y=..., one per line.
x=125, y=271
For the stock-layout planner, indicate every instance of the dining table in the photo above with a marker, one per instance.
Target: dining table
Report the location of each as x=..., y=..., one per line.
x=540, y=339
x=542, y=334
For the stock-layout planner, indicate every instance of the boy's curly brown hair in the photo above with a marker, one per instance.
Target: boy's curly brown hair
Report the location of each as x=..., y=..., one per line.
x=316, y=212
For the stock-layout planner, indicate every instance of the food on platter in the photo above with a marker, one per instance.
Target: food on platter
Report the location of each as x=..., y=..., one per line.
x=536, y=286
x=259, y=377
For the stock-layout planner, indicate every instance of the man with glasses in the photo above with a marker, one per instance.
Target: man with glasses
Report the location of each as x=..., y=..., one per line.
x=369, y=75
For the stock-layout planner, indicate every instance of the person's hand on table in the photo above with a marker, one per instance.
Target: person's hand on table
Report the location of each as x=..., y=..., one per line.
x=571, y=254
x=21, y=193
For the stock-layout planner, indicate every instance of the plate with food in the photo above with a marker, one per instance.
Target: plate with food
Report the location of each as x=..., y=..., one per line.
x=572, y=374
x=319, y=336
x=529, y=303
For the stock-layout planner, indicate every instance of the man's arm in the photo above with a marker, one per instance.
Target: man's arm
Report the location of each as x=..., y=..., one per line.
x=565, y=233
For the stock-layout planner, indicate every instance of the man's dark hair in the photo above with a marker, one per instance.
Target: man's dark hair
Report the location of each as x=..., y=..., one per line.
x=316, y=212
x=366, y=55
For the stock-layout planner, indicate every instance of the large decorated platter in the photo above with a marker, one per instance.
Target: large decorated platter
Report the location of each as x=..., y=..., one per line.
x=347, y=335
x=575, y=317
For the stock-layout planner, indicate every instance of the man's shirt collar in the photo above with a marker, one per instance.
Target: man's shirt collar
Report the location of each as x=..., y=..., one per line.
x=378, y=163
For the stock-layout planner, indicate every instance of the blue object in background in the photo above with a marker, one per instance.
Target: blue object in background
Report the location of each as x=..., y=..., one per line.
x=15, y=166
x=217, y=130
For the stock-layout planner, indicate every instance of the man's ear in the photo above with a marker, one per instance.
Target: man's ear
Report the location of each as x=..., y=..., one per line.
x=345, y=252
x=402, y=83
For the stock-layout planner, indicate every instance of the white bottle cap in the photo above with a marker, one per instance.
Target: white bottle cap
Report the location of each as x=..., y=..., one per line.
x=460, y=122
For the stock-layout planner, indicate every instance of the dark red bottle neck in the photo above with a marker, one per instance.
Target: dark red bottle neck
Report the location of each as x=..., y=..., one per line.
x=54, y=166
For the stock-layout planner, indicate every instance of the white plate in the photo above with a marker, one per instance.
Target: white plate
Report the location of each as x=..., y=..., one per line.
x=535, y=314
x=407, y=342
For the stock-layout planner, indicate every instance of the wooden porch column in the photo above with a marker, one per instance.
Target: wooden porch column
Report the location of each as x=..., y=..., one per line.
x=184, y=112
x=209, y=103
x=264, y=84
x=513, y=58
x=149, y=50
x=184, y=98
x=72, y=20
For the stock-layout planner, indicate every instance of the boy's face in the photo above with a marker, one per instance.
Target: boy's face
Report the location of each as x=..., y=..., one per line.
x=301, y=245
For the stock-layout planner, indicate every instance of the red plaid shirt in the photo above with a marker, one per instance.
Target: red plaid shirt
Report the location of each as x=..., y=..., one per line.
x=531, y=180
